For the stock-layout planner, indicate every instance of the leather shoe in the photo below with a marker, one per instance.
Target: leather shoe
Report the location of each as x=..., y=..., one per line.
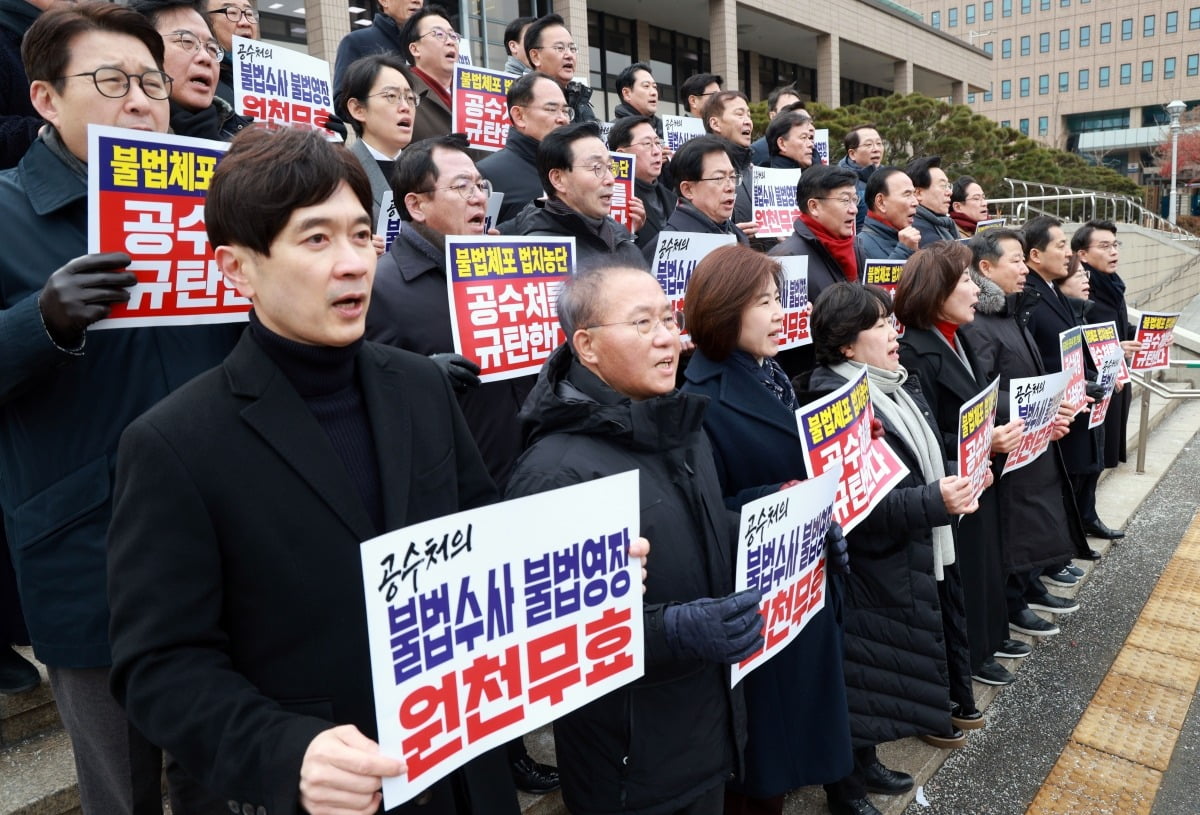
x=857, y=806
x=1098, y=529
x=532, y=777
x=967, y=721
x=1013, y=649
x=17, y=674
x=1026, y=621
x=1091, y=554
x=952, y=742
x=885, y=780
x=992, y=672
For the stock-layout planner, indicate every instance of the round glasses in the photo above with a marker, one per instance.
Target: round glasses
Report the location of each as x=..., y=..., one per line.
x=189, y=43
x=646, y=326
x=115, y=83
x=392, y=98
x=233, y=14
x=467, y=189
x=442, y=35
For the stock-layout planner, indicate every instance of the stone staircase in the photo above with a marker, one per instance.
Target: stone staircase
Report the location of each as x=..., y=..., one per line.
x=37, y=767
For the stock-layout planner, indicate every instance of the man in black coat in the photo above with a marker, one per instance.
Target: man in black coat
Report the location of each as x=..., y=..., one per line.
x=639, y=97
x=382, y=35
x=636, y=135
x=551, y=49
x=238, y=629
x=708, y=186
x=889, y=233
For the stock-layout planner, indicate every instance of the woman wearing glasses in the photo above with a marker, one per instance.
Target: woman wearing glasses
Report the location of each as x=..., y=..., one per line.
x=376, y=99
x=192, y=59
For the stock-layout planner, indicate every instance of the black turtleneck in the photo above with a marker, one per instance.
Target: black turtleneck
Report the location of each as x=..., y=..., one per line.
x=326, y=379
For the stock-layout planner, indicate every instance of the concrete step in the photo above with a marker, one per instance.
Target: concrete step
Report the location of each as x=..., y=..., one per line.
x=27, y=714
x=39, y=776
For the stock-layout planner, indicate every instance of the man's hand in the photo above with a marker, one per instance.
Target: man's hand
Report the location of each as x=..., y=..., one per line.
x=1130, y=347
x=82, y=292
x=637, y=213
x=716, y=629
x=342, y=773
x=910, y=236
x=462, y=372
x=749, y=228
x=640, y=547
x=1006, y=437
x=956, y=494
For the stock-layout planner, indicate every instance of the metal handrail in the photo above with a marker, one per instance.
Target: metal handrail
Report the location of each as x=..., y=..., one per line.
x=1097, y=205
x=1152, y=386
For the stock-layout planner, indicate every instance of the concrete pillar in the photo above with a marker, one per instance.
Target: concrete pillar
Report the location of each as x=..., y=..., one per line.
x=642, y=38
x=574, y=14
x=722, y=36
x=328, y=22
x=754, y=81
x=958, y=92
x=902, y=77
x=829, y=70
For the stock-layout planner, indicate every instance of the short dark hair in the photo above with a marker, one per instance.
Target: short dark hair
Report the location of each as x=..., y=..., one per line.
x=1037, y=232
x=958, y=193
x=513, y=33
x=556, y=152
x=580, y=303
x=46, y=47
x=416, y=170
x=357, y=80
x=621, y=134
x=269, y=174
x=688, y=162
x=1083, y=235
x=918, y=170
x=781, y=126
x=841, y=313
x=783, y=90
x=408, y=32
x=695, y=84
x=153, y=9
x=985, y=245
x=520, y=92
x=820, y=179
x=878, y=183
x=929, y=277
x=628, y=77
x=533, y=34
x=721, y=286
x=852, y=140
x=716, y=104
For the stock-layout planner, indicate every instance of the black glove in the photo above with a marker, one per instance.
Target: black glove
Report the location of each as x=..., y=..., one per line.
x=462, y=372
x=837, y=550
x=1094, y=390
x=334, y=124
x=725, y=629
x=82, y=292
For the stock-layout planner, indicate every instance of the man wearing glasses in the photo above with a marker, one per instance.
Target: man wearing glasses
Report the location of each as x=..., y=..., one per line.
x=968, y=205
x=708, y=184
x=66, y=394
x=636, y=135
x=551, y=49
x=192, y=59
x=933, y=200
x=381, y=36
x=230, y=17
x=864, y=154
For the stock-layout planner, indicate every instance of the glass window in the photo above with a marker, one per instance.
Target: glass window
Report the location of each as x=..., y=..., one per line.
x=1169, y=68
x=1043, y=84
x=1006, y=122
x=1064, y=39
x=1147, y=70
x=1044, y=42
x=1006, y=8
x=989, y=10
x=1171, y=24
x=987, y=96
x=1024, y=127
x=988, y=47
x=1064, y=81
x=1064, y=3
x=935, y=19
x=1006, y=89
x=1127, y=28
x=1085, y=76
x=1085, y=36
x=952, y=17
x=1024, y=86
x=1025, y=45
x=1126, y=73
x=1194, y=18
x=1026, y=6
x=1148, y=25
x=1006, y=49
x=1104, y=76
x=1043, y=125
x=1045, y=5
x=970, y=13
x=1193, y=64
x=970, y=98
x=1105, y=33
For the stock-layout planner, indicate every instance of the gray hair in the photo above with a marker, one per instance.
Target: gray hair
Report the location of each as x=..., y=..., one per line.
x=581, y=299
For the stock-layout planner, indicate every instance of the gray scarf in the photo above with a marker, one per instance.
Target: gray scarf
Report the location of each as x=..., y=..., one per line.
x=54, y=142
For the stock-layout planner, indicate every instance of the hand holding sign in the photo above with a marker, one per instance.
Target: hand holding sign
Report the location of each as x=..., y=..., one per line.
x=1006, y=437
x=82, y=292
x=343, y=768
x=958, y=495
x=716, y=629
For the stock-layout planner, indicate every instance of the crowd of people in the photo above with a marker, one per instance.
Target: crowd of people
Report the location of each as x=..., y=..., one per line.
x=183, y=505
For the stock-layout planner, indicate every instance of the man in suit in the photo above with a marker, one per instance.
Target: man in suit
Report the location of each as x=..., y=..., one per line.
x=238, y=621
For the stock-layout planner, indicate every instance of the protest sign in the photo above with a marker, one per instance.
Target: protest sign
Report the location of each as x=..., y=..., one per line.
x=1034, y=399
x=781, y=552
x=675, y=257
x=504, y=300
x=605, y=129
x=821, y=147
x=1104, y=345
x=774, y=195
x=794, y=299
x=1155, y=331
x=276, y=84
x=1070, y=344
x=623, y=168
x=146, y=196
x=989, y=223
x=836, y=431
x=886, y=275
x=976, y=420
x=484, y=625
x=678, y=130
x=480, y=106
x=495, y=200
x=389, y=220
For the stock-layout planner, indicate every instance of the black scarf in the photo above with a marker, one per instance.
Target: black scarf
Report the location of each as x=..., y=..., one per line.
x=202, y=124
x=770, y=375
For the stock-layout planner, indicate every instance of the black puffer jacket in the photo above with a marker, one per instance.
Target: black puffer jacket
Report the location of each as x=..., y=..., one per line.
x=652, y=746
x=897, y=683
x=542, y=217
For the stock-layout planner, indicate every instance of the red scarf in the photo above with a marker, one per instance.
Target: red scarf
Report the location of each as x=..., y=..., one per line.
x=873, y=214
x=842, y=249
x=947, y=330
x=966, y=224
x=434, y=85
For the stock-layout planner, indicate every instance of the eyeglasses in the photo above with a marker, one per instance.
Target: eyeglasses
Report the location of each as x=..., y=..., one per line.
x=189, y=43
x=233, y=13
x=648, y=144
x=115, y=83
x=442, y=35
x=980, y=198
x=867, y=145
x=732, y=179
x=467, y=188
x=599, y=169
x=560, y=48
x=646, y=326
x=392, y=97
x=555, y=109
x=1106, y=246
x=943, y=185
x=843, y=200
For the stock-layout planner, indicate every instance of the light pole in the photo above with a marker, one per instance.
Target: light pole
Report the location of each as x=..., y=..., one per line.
x=1175, y=109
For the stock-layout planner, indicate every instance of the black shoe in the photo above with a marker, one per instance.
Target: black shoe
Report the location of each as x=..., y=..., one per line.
x=1059, y=577
x=1013, y=649
x=1073, y=569
x=1091, y=554
x=992, y=672
x=952, y=742
x=17, y=674
x=532, y=777
x=1098, y=529
x=885, y=780
x=967, y=721
x=1026, y=622
x=1052, y=603
x=858, y=806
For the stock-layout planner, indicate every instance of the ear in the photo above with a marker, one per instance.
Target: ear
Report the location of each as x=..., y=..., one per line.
x=686, y=189
x=714, y=125
x=516, y=115
x=847, y=351
x=1035, y=255
x=626, y=93
x=812, y=205
x=234, y=262
x=413, y=48
x=535, y=57
x=556, y=181
x=779, y=140
x=45, y=100
x=880, y=203
x=416, y=207
x=356, y=109
x=581, y=343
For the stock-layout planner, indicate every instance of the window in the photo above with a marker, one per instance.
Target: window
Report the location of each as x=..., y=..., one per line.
x=935, y=19
x=1194, y=18
x=1147, y=70
x=1169, y=68
x=1127, y=28
x=988, y=47
x=970, y=98
x=1006, y=122
x=1064, y=39
x=1024, y=127
x=1025, y=45
x=1006, y=49
x=1006, y=8
x=1085, y=36
x=1193, y=64
x=1044, y=42
x=1026, y=6
x=1024, y=86
x=1064, y=81
x=987, y=96
x=1126, y=73
x=1148, y=25
x=1043, y=84
x=1043, y=125
x=1006, y=89
x=970, y=13
x=1171, y=24
x=989, y=10
x=952, y=17
x=1105, y=33
x=1045, y=5
x=1085, y=76
x=1064, y=3
x=1104, y=76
